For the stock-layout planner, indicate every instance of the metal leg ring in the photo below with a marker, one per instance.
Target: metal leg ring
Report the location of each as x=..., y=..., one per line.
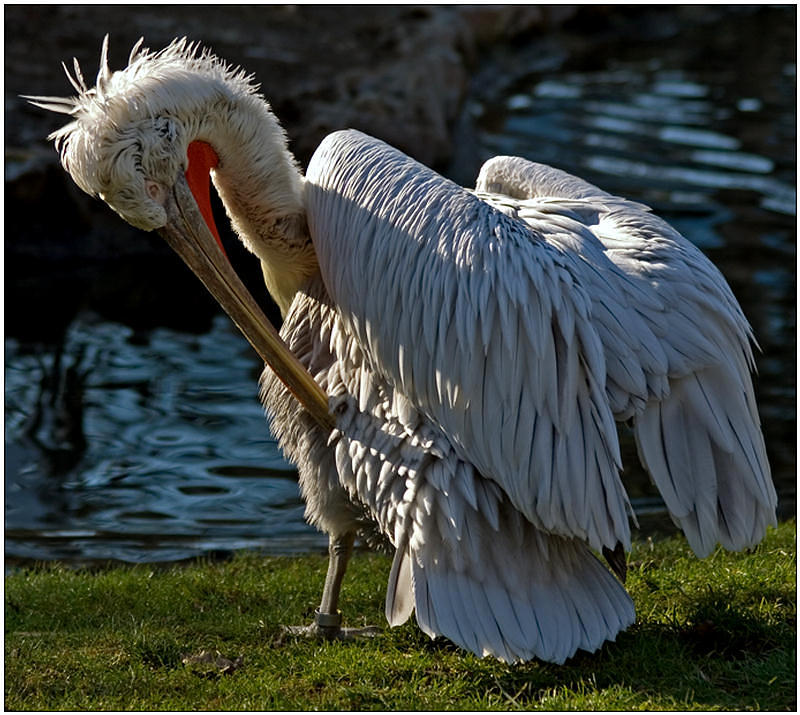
x=328, y=620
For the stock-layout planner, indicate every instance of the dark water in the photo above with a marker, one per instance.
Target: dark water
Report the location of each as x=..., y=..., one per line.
x=172, y=457
x=151, y=445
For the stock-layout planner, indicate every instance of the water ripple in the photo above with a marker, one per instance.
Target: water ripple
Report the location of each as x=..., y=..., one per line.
x=178, y=458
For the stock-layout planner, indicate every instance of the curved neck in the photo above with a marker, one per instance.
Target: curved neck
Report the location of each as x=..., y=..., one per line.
x=262, y=189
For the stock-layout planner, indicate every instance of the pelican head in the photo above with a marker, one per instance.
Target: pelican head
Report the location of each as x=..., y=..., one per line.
x=130, y=133
x=146, y=139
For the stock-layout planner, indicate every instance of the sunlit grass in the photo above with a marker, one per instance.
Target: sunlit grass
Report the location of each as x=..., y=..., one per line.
x=711, y=634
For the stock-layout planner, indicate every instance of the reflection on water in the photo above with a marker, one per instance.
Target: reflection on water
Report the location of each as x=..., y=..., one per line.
x=174, y=457
x=633, y=130
x=153, y=446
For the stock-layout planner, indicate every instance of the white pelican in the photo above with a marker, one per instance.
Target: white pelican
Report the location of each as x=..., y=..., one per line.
x=460, y=357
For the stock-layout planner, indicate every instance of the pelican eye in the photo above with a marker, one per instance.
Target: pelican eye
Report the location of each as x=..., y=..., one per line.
x=157, y=192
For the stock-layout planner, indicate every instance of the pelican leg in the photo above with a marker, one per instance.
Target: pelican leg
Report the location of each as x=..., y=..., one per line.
x=340, y=548
x=327, y=618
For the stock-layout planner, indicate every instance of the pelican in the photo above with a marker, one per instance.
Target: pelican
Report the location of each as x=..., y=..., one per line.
x=452, y=362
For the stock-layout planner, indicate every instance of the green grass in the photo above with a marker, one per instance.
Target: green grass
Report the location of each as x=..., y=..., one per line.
x=711, y=634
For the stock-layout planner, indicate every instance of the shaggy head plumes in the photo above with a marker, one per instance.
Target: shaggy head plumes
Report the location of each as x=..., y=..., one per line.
x=135, y=124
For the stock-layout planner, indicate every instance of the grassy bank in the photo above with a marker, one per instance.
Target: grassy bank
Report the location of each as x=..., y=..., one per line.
x=712, y=634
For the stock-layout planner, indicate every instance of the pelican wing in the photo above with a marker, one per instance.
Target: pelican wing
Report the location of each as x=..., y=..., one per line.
x=676, y=343
x=479, y=325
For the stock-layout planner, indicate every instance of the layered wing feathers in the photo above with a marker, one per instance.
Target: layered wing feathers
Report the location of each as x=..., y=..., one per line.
x=479, y=324
x=676, y=343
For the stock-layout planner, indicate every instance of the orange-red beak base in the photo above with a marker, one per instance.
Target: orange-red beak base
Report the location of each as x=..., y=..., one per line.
x=202, y=158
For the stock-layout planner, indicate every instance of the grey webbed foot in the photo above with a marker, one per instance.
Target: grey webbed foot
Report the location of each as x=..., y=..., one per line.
x=328, y=626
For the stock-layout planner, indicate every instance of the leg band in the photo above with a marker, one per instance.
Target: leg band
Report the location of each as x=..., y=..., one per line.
x=328, y=620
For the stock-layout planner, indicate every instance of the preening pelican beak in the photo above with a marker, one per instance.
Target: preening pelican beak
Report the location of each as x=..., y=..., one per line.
x=188, y=233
